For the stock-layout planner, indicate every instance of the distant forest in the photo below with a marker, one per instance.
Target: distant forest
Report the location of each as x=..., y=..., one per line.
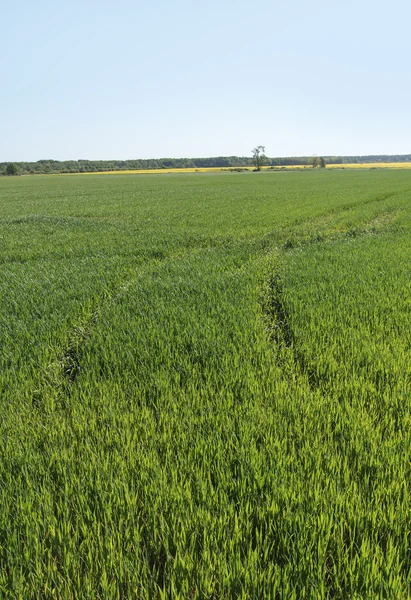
x=94, y=166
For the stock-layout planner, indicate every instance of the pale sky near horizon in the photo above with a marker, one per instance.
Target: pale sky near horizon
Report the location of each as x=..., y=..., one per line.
x=103, y=80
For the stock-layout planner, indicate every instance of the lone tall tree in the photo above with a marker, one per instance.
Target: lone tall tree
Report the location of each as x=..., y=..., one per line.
x=259, y=157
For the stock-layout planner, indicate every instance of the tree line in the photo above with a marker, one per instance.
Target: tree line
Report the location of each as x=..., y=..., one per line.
x=45, y=166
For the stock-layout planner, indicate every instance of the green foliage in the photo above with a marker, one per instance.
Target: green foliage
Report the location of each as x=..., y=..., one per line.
x=95, y=166
x=318, y=162
x=12, y=169
x=205, y=386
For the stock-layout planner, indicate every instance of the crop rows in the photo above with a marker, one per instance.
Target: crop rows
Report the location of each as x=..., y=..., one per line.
x=205, y=386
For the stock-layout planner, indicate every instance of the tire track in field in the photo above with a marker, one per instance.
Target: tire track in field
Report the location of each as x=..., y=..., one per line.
x=329, y=232
x=61, y=374
x=275, y=312
x=280, y=332
x=58, y=379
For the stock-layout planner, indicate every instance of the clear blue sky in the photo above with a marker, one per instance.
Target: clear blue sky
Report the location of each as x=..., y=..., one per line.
x=126, y=79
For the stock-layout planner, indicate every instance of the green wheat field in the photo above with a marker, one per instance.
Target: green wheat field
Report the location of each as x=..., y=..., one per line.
x=205, y=386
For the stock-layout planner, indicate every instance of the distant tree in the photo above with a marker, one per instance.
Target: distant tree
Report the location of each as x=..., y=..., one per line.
x=12, y=169
x=259, y=158
x=318, y=162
